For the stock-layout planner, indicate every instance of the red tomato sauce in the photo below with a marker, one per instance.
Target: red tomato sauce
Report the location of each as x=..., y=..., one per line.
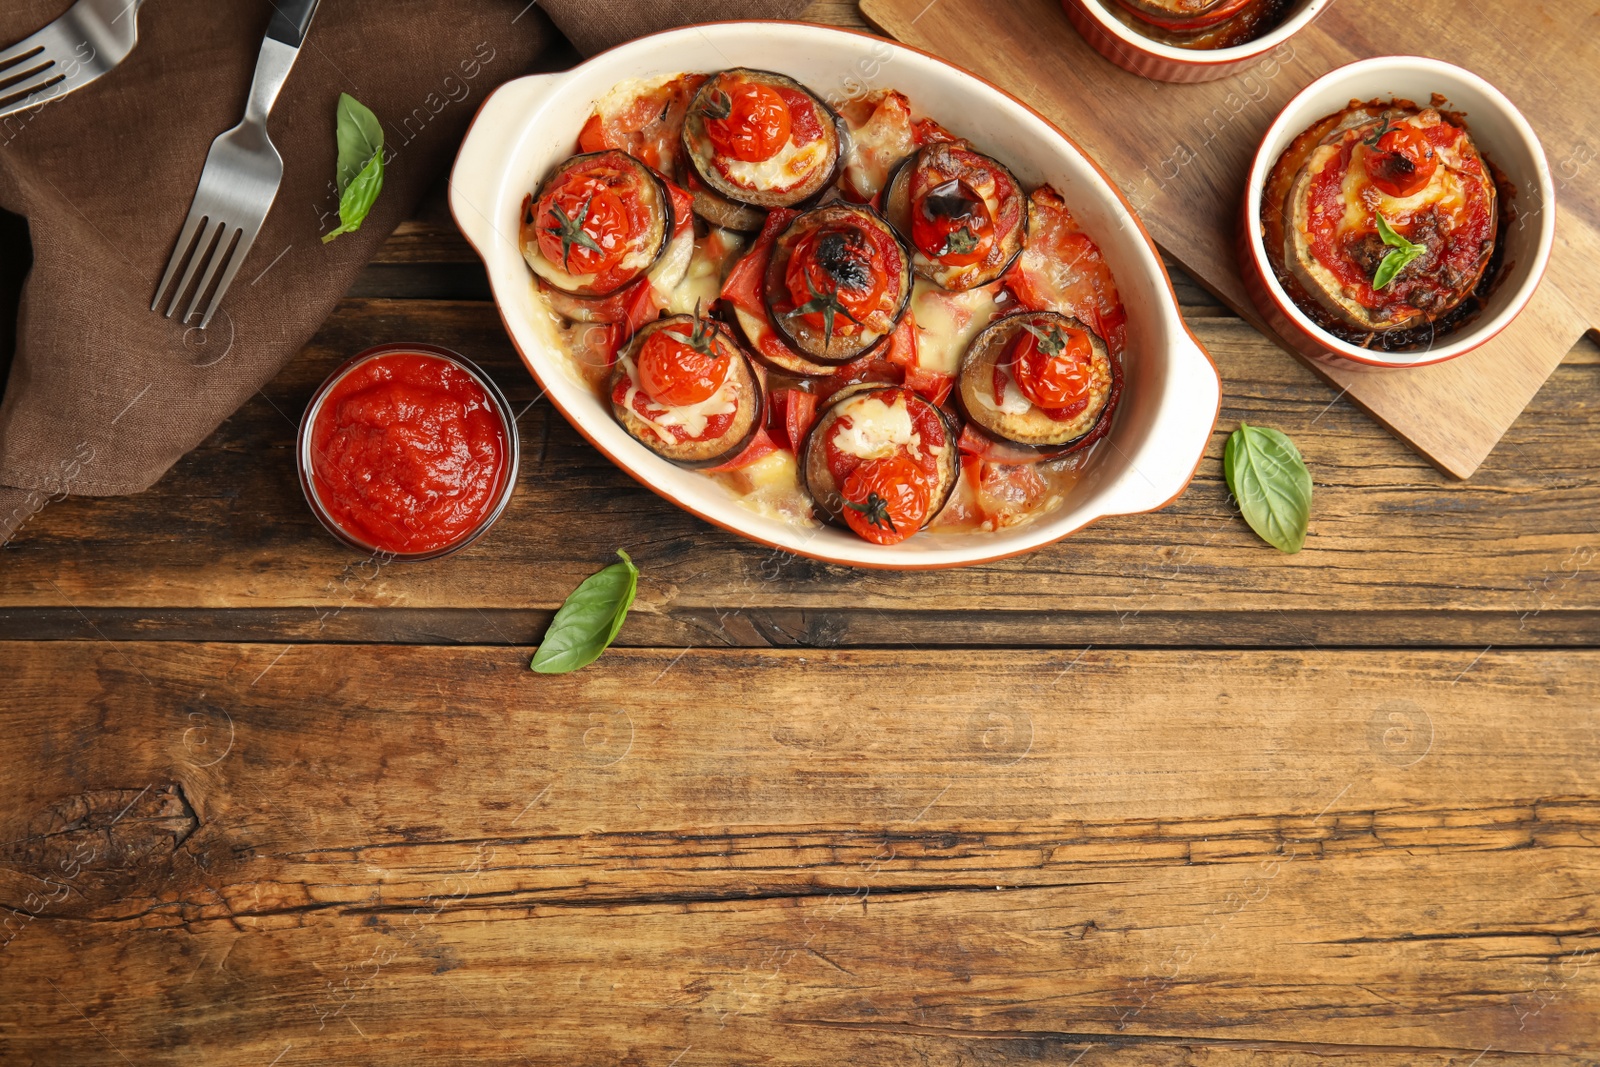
x=408, y=453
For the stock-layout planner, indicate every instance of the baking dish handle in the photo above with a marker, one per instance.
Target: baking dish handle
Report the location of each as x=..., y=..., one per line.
x=1166, y=463
x=479, y=169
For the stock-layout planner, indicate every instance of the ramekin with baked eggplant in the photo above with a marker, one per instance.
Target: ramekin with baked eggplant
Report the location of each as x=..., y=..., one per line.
x=1399, y=212
x=1382, y=221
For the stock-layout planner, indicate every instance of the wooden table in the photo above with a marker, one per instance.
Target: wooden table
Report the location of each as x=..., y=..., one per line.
x=1156, y=795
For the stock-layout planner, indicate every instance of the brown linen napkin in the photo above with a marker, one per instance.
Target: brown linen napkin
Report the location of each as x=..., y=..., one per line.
x=104, y=395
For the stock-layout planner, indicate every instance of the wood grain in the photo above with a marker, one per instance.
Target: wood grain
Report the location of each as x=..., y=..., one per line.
x=1049, y=819
x=368, y=854
x=1181, y=153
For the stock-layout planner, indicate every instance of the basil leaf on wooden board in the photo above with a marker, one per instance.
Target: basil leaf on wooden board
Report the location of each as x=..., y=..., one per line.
x=358, y=198
x=1396, y=261
x=360, y=138
x=589, y=620
x=1270, y=481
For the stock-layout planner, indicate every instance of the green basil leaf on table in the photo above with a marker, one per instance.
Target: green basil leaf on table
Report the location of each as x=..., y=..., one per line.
x=358, y=198
x=1396, y=261
x=1269, y=479
x=589, y=620
x=360, y=138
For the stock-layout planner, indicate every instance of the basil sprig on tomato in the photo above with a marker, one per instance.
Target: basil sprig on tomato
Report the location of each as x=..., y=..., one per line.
x=838, y=282
x=599, y=222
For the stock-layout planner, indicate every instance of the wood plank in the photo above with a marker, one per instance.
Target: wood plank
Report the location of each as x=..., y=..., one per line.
x=1164, y=857
x=838, y=626
x=844, y=13
x=1205, y=135
x=1502, y=560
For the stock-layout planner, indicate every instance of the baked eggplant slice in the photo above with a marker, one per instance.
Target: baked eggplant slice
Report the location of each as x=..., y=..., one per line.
x=1391, y=221
x=759, y=138
x=963, y=214
x=766, y=342
x=838, y=282
x=684, y=389
x=662, y=278
x=599, y=222
x=881, y=460
x=744, y=299
x=1040, y=379
x=718, y=210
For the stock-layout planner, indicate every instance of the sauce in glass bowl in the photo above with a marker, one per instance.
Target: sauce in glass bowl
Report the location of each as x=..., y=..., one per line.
x=408, y=450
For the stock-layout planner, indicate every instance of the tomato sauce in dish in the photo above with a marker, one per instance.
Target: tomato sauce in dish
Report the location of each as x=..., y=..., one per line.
x=408, y=452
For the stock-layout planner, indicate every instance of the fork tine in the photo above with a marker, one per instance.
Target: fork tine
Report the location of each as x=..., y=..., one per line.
x=224, y=251
x=15, y=78
x=202, y=252
x=235, y=261
x=25, y=49
x=179, y=254
x=20, y=97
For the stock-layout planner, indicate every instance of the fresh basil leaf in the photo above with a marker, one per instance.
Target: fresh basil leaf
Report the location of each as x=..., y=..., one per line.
x=360, y=138
x=1270, y=481
x=589, y=620
x=358, y=198
x=1396, y=261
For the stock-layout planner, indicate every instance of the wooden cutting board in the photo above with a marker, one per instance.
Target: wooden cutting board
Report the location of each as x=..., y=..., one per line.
x=1543, y=54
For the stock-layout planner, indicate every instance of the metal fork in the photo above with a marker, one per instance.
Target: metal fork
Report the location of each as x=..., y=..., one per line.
x=91, y=38
x=241, y=177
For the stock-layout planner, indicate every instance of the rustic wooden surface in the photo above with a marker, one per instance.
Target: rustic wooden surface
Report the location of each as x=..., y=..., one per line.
x=1157, y=795
x=1181, y=153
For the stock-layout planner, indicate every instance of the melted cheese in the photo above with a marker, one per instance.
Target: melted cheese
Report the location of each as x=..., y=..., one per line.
x=554, y=334
x=947, y=322
x=551, y=271
x=788, y=168
x=673, y=266
x=622, y=96
x=1361, y=198
x=702, y=283
x=877, y=144
x=1012, y=401
x=690, y=418
x=877, y=429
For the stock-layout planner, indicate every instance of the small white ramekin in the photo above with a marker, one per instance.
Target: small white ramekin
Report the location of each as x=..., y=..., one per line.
x=1149, y=58
x=1500, y=133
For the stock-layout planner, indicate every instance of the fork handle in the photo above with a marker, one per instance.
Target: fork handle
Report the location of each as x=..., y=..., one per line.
x=290, y=19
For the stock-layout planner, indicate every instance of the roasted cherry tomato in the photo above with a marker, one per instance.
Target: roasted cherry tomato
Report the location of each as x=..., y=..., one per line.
x=886, y=500
x=952, y=224
x=836, y=278
x=1400, y=161
x=1052, y=366
x=584, y=226
x=748, y=122
x=680, y=366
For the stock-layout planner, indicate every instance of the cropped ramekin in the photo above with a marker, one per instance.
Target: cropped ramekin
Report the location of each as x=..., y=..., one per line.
x=1149, y=58
x=1172, y=391
x=1500, y=133
x=508, y=422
